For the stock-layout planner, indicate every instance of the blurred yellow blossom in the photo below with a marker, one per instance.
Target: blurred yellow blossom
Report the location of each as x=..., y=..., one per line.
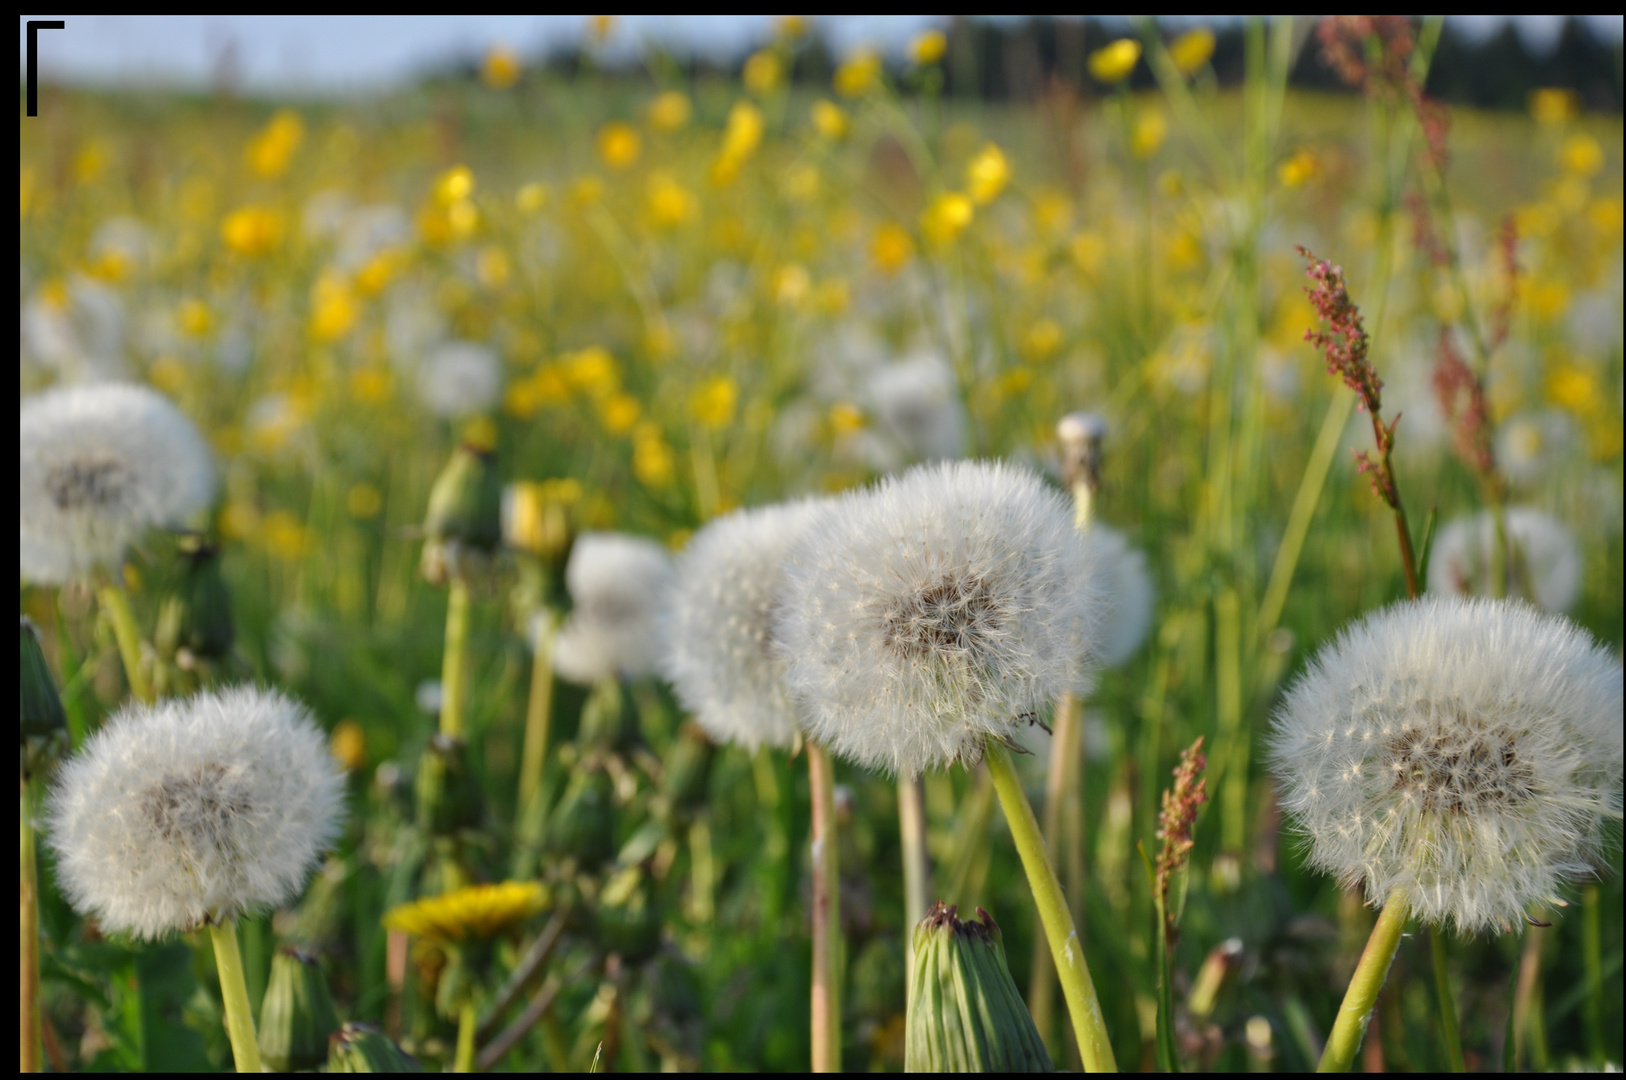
x=668, y=201
x=830, y=120
x=891, y=247
x=619, y=413
x=860, y=74
x=1151, y=128
x=928, y=47
x=790, y=284
x=1089, y=251
x=1581, y=155
x=333, y=308
x=1114, y=63
x=670, y=111
x=491, y=266
x=653, y=462
x=1605, y=215
x=845, y=418
x=284, y=535
x=252, y=231
x=270, y=151
x=762, y=72
x=530, y=198
x=1572, y=387
x=1042, y=340
x=599, y=28
x=987, y=174
x=946, y=217
x=501, y=68
x=454, y=185
x=348, y=744
x=193, y=317
x=741, y=137
x=364, y=501
x=1192, y=49
x=168, y=374
x=618, y=144
x=90, y=162
x=1553, y=106
x=712, y=405
x=1299, y=169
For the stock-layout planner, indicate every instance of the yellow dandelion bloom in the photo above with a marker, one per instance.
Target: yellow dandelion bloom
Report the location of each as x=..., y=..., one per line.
x=892, y=247
x=669, y=202
x=1042, y=340
x=830, y=120
x=741, y=137
x=618, y=144
x=653, y=462
x=501, y=68
x=946, y=218
x=475, y=911
x=592, y=370
x=348, y=744
x=712, y=405
x=619, y=413
x=1192, y=50
x=763, y=72
x=845, y=418
x=270, y=151
x=987, y=174
x=1553, y=107
x=790, y=284
x=251, y=231
x=928, y=48
x=333, y=308
x=377, y=272
x=670, y=111
x=1581, y=155
x=1299, y=169
x=1151, y=128
x=193, y=317
x=454, y=185
x=1114, y=63
x=859, y=75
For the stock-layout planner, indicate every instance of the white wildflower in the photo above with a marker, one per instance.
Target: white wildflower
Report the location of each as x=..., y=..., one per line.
x=459, y=379
x=918, y=405
x=99, y=465
x=939, y=609
x=193, y=810
x=617, y=584
x=1126, y=595
x=718, y=631
x=1466, y=752
x=1543, y=560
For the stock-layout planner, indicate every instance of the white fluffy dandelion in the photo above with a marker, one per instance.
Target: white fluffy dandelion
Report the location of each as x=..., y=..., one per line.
x=919, y=406
x=1464, y=752
x=100, y=464
x=618, y=585
x=459, y=379
x=1543, y=561
x=939, y=609
x=193, y=810
x=1126, y=595
x=718, y=633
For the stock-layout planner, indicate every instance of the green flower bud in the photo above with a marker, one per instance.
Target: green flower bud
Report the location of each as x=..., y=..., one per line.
x=628, y=921
x=465, y=513
x=609, y=721
x=448, y=797
x=687, y=767
x=583, y=825
x=297, y=1015
x=198, y=617
x=964, y=1012
x=362, y=1048
x=43, y=730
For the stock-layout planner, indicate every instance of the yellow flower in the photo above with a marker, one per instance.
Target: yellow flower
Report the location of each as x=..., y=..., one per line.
x=377, y=273
x=1114, y=63
x=670, y=111
x=1042, y=340
x=859, y=75
x=348, y=744
x=1581, y=155
x=1605, y=215
x=1299, y=169
x=928, y=48
x=946, y=218
x=168, y=374
x=653, y=462
x=763, y=72
x=830, y=120
x=713, y=404
x=618, y=144
x=501, y=68
x=194, y=318
x=987, y=174
x=790, y=284
x=491, y=266
x=892, y=247
x=619, y=413
x=600, y=27
x=1151, y=128
x=1553, y=107
x=669, y=202
x=845, y=418
x=284, y=535
x=475, y=911
x=333, y=308
x=1192, y=50
x=251, y=231
x=454, y=185
x=741, y=137
x=1573, y=388
x=269, y=152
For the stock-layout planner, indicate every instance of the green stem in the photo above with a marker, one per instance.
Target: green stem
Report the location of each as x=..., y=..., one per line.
x=1362, y=995
x=1448, y=1010
x=467, y=1021
x=1592, y=958
x=245, y=1047
x=451, y=671
x=1061, y=774
x=29, y=943
x=538, y=709
x=116, y=603
x=916, y=869
x=826, y=914
x=1076, y=986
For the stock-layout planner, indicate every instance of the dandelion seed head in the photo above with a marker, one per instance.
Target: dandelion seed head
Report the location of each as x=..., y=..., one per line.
x=1465, y=751
x=1544, y=561
x=718, y=632
x=618, y=585
x=941, y=608
x=100, y=464
x=459, y=379
x=1126, y=595
x=919, y=407
x=194, y=809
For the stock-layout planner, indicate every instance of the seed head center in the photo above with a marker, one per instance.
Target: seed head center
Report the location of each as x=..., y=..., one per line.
x=84, y=483
x=1468, y=767
x=953, y=616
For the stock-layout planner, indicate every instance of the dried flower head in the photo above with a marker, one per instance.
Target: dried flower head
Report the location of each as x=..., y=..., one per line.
x=1543, y=559
x=719, y=628
x=1126, y=595
x=618, y=584
x=939, y=609
x=100, y=464
x=1466, y=752
x=194, y=809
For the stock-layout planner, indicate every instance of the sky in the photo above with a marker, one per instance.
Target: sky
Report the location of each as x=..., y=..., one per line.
x=360, y=53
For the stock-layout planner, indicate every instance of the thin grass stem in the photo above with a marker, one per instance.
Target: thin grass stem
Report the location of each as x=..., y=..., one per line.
x=116, y=602
x=1448, y=1009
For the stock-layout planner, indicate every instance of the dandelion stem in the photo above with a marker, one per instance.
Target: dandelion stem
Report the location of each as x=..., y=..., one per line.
x=826, y=914
x=245, y=1046
x=1448, y=1010
x=451, y=672
x=1093, y=1044
x=467, y=1021
x=29, y=944
x=1063, y=749
x=1362, y=995
x=916, y=868
x=116, y=603
x=538, y=709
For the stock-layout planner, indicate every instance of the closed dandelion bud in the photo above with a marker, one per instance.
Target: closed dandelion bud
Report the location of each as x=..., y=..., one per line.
x=465, y=512
x=964, y=1012
x=448, y=797
x=609, y=721
x=687, y=767
x=628, y=921
x=198, y=617
x=362, y=1048
x=297, y=1015
x=583, y=827
x=43, y=728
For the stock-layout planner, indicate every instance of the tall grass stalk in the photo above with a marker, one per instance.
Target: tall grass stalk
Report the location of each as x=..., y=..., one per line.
x=116, y=602
x=1448, y=1009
